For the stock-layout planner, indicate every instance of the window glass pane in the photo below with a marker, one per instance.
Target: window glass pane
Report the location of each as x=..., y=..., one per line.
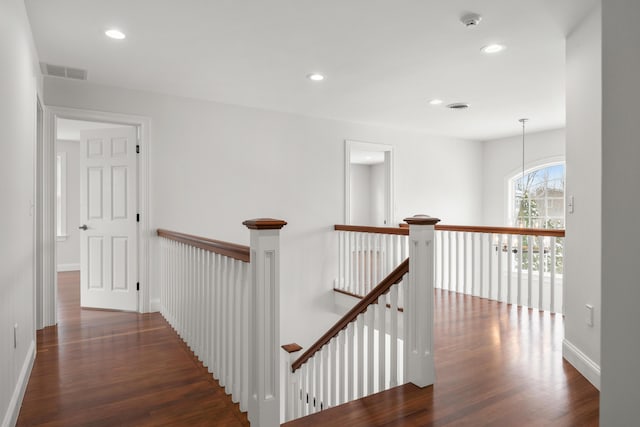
x=538, y=198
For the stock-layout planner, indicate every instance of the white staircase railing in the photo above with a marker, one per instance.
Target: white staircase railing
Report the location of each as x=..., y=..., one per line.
x=513, y=265
x=377, y=344
x=223, y=300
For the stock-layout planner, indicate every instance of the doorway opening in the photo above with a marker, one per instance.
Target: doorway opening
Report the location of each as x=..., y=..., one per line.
x=96, y=207
x=96, y=182
x=368, y=184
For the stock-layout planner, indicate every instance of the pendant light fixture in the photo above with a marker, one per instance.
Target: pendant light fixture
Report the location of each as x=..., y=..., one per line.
x=522, y=186
x=523, y=121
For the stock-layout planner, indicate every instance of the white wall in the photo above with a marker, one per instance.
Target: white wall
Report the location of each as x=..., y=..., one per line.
x=68, y=251
x=18, y=85
x=215, y=165
x=620, y=206
x=582, y=264
x=360, y=194
x=502, y=158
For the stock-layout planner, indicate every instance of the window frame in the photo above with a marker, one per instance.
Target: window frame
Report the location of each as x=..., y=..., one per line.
x=516, y=174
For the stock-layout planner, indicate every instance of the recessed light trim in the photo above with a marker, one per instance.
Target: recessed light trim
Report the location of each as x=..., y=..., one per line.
x=115, y=34
x=316, y=77
x=436, y=101
x=493, y=48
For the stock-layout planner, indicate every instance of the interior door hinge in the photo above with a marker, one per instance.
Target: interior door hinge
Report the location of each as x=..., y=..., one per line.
x=137, y=217
x=137, y=286
x=138, y=149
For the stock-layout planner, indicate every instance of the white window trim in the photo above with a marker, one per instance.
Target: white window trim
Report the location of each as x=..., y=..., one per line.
x=61, y=204
x=515, y=173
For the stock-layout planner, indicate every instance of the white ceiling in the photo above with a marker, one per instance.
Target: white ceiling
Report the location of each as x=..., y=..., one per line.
x=383, y=58
x=69, y=130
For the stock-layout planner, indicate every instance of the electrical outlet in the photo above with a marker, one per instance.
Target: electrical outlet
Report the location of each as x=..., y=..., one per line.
x=15, y=335
x=589, y=314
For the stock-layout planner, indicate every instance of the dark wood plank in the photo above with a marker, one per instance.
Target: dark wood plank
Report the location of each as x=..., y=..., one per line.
x=102, y=368
x=496, y=365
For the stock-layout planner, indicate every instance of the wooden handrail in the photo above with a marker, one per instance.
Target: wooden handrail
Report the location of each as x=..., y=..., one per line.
x=394, y=277
x=503, y=230
x=375, y=230
x=232, y=250
x=403, y=230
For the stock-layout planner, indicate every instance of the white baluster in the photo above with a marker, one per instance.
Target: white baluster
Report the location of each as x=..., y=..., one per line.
x=358, y=276
x=552, y=270
x=481, y=264
x=520, y=260
x=393, y=354
x=351, y=358
x=326, y=376
x=449, y=262
x=473, y=263
x=382, y=342
x=540, y=273
x=361, y=359
x=304, y=389
x=370, y=321
x=509, y=270
x=463, y=276
x=490, y=262
x=530, y=272
x=341, y=353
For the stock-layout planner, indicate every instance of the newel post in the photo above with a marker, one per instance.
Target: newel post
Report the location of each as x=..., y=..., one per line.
x=264, y=322
x=419, y=302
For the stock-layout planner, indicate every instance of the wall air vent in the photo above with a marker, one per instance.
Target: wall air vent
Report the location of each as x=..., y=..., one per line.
x=62, y=71
x=458, y=106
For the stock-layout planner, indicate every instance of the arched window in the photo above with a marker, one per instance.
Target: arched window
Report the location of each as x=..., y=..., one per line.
x=538, y=200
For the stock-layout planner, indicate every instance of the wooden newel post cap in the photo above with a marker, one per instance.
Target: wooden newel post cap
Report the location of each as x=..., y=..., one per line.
x=291, y=348
x=265, y=224
x=421, y=220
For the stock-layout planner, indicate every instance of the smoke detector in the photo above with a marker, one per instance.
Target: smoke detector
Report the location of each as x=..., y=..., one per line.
x=471, y=20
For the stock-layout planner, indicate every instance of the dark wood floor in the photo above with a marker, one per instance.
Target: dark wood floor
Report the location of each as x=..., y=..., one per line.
x=101, y=368
x=496, y=365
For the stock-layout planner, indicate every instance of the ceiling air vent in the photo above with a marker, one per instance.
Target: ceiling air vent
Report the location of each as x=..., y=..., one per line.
x=62, y=71
x=458, y=106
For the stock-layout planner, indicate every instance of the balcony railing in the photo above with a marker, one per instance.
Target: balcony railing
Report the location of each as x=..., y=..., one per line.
x=513, y=265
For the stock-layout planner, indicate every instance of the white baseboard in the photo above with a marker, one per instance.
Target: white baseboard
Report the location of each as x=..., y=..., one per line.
x=68, y=267
x=154, y=306
x=11, y=417
x=587, y=367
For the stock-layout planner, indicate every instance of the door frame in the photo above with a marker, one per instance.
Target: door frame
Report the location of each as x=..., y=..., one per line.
x=142, y=123
x=349, y=145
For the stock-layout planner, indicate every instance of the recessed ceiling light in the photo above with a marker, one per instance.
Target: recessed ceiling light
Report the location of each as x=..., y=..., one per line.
x=316, y=77
x=435, y=101
x=115, y=34
x=493, y=48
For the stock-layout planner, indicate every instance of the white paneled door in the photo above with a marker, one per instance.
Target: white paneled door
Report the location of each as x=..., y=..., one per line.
x=108, y=204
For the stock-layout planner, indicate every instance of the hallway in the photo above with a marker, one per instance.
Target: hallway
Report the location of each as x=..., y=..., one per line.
x=102, y=368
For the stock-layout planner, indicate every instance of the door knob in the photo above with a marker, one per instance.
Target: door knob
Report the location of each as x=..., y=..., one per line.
x=83, y=227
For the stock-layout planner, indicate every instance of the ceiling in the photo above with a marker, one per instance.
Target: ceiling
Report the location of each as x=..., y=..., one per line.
x=383, y=59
